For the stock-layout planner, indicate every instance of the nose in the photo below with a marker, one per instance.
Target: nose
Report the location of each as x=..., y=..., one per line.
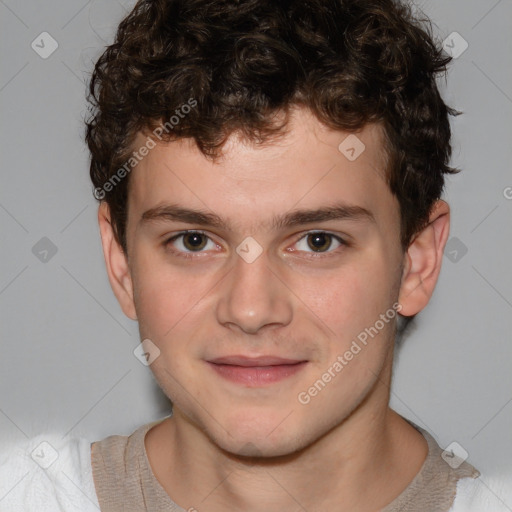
x=253, y=297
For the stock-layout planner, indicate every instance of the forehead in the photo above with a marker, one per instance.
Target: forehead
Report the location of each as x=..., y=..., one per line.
x=310, y=166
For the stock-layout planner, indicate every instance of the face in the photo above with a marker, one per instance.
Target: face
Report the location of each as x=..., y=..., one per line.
x=254, y=278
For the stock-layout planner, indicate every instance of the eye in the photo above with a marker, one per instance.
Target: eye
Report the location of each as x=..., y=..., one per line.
x=319, y=242
x=190, y=242
x=187, y=243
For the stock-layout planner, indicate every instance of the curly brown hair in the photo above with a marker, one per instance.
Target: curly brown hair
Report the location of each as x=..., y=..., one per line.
x=350, y=62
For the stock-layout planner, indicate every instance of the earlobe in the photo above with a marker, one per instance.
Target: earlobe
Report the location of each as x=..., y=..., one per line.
x=423, y=261
x=116, y=263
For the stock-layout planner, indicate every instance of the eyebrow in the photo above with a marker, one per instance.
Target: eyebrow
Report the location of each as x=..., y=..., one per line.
x=339, y=211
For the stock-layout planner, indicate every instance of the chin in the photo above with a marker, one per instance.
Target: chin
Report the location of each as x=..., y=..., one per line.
x=261, y=447
x=257, y=436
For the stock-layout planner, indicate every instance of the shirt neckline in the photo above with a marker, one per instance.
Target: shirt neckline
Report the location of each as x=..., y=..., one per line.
x=435, y=481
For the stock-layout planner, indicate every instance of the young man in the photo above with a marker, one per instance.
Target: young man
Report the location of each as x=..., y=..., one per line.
x=269, y=177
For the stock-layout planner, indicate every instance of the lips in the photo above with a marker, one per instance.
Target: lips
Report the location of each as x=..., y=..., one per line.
x=254, y=361
x=256, y=371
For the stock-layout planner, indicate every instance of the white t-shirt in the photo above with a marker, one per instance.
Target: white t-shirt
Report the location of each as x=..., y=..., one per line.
x=48, y=473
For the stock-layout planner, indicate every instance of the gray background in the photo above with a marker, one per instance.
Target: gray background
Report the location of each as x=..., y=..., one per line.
x=67, y=363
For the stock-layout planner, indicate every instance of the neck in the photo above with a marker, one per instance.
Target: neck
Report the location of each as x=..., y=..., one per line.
x=361, y=464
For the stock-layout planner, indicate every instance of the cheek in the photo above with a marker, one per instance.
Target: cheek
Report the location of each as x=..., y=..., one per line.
x=163, y=310
x=163, y=295
x=350, y=298
x=358, y=340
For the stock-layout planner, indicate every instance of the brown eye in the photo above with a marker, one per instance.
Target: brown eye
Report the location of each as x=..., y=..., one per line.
x=319, y=241
x=194, y=241
x=189, y=242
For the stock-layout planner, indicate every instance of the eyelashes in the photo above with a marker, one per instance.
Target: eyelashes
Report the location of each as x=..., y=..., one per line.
x=169, y=242
x=197, y=238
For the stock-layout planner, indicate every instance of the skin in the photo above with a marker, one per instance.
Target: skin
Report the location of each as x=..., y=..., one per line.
x=232, y=447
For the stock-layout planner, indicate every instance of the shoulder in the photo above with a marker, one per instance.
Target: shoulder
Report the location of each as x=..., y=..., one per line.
x=491, y=493
x=118, y=459
x=116, y=455
x=47, y=473
x=123, y=476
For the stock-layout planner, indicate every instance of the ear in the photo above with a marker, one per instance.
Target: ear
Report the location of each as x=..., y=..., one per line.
x=423, y=261
x=116, y=262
